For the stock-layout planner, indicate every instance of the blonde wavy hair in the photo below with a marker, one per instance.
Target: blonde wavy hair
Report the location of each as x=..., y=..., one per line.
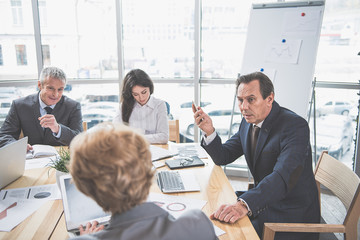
x=111, y=163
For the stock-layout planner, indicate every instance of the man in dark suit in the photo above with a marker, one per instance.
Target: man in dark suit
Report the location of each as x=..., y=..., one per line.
x=46, y=117
x=281, y=162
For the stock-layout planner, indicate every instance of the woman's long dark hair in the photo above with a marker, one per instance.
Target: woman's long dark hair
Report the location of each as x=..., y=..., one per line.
x=135, y=77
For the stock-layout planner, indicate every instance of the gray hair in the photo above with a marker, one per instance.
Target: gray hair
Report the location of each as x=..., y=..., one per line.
x=52, y=72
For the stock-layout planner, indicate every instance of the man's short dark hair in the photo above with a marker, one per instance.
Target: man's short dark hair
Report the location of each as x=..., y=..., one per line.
x=266, y=86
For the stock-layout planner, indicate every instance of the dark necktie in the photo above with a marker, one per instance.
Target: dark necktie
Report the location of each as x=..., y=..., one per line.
x=254, y=136
x=48, y=110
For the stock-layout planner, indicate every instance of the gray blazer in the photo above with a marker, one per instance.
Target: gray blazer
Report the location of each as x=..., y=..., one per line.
x=150, y=222
x=24, y=113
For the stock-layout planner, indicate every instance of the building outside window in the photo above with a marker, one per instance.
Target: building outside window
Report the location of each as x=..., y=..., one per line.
x=17, y=14
x=46, y=55
x=43, y=13
x=21, y=57
x=159, y=41
x=1, y=57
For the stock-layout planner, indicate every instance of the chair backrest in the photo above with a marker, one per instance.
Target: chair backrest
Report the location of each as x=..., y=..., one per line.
x=174, y=131
x=344, y=183
x=84, y=124
x=21, y=134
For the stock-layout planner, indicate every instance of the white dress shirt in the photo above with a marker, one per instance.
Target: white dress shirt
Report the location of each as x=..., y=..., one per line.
x=43, y=112
x=151, y=119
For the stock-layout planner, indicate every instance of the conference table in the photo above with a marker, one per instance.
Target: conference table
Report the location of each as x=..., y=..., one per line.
x=48, y=222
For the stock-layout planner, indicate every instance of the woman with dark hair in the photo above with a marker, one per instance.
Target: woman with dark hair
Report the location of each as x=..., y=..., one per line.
x=139, y=109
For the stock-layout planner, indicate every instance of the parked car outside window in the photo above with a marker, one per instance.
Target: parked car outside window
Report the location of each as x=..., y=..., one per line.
x=221, y=120
x=95, y=116
x=334, y=107
x=334, y=133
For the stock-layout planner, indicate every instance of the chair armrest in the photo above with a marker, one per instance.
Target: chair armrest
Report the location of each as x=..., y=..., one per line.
x=271, y=228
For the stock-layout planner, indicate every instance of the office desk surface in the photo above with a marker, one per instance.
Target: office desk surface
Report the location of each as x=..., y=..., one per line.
x=40, y=224
x=49, y=222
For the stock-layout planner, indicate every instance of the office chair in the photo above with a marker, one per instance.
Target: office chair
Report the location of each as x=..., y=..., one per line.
x=174, y=131
x=85, y=127
x=344, y=184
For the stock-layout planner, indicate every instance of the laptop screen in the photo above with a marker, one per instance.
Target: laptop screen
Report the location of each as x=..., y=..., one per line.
x=12, y=161
x=79, y=208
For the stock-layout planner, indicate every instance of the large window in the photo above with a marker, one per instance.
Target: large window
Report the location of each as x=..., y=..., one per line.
x=18, y=55
x=89, y=40
x=83, y=41
x=159, y=37
x=223, y=29
x=337, y=59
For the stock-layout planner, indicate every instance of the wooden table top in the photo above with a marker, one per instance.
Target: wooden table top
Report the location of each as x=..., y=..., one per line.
x=49, y=222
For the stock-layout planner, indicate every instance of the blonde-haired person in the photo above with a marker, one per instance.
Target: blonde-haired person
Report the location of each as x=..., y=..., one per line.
x=111, y=163
x=139, y=109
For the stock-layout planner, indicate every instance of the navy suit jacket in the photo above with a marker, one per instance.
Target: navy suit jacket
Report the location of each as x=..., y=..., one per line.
x=24, y=113
x=285, y=188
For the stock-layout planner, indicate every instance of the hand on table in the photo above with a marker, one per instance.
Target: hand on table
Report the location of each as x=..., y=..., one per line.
x=49, y=121
x=29, y=148
x=230, y=213
x=91, y=228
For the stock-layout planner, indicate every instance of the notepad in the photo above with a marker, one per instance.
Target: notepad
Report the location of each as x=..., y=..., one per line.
x=158, y=153
x=40, y=150
x=184, y=162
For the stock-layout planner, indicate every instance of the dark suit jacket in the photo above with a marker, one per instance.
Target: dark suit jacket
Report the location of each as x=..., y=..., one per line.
x=285, y=188
x=149, y=221
x=24, y=113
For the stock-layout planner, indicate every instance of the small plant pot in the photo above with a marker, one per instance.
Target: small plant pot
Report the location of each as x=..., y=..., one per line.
x=58, y=175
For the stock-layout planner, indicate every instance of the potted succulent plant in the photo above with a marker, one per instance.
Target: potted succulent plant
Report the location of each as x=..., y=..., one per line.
x=60, y=163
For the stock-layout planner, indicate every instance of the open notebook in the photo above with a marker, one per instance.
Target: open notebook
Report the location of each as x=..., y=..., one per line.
x=79, y=208
x=158, y=153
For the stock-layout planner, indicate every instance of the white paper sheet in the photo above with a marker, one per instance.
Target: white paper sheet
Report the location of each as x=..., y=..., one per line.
x=158, y=153
x=48, y=192
x=218, y=231
x=38, y=162
x=188, y=149
x=177, y=205
x=158, y=164
x=17, y=213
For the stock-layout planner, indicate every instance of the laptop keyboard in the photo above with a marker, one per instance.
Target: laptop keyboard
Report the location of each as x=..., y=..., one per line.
x=169, y=180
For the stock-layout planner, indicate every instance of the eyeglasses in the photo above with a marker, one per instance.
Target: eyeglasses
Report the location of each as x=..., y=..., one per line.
x=185, y=161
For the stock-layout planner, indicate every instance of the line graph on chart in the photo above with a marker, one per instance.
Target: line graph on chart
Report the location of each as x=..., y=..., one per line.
x=283, y=52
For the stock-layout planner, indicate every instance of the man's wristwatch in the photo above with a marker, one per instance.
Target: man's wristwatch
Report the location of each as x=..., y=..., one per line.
x=245, y=205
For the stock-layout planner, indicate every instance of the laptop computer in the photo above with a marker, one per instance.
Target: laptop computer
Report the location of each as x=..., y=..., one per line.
x=79, y=208
x=177, y=181
x=12, y=161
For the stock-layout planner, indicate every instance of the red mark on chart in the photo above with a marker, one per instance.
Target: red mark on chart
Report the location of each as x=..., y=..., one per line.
x=3, y=214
